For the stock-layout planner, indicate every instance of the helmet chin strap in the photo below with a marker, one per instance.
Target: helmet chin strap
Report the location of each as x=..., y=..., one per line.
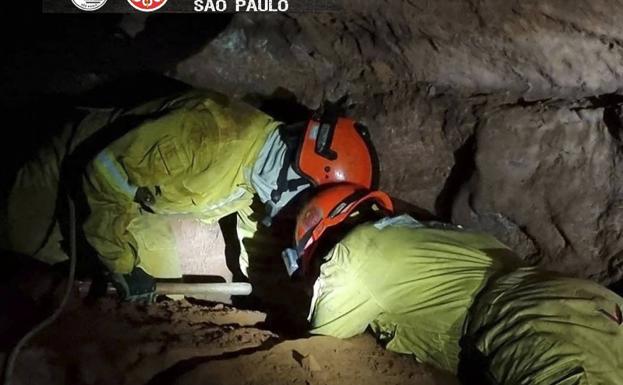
x=285, y=181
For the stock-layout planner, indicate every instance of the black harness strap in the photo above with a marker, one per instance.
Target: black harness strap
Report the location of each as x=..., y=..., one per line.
x=291, y=137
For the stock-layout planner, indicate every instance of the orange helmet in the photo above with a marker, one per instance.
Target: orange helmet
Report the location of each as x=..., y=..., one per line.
x=335, y=150
x=329, y=207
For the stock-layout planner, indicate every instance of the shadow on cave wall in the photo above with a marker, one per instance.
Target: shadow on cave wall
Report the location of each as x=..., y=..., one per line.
x=53, y=62
x=68, y=54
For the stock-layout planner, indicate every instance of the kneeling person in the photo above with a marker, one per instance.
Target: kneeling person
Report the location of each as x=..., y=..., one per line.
x=198, y=154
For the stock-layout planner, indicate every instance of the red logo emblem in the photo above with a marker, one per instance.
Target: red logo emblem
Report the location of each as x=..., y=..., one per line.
x=147, y=5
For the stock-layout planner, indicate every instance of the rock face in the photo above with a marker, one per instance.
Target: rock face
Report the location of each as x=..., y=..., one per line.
x=535, y=49
x=500, y=115
x=445, y=88
x=555, y=173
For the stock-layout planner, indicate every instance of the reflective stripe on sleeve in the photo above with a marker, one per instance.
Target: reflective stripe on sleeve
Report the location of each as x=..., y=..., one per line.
x=106, y=163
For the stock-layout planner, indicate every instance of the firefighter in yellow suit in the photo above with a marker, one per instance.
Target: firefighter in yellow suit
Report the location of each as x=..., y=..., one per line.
x=194, y=159
x=459, y=300
x=198, y=153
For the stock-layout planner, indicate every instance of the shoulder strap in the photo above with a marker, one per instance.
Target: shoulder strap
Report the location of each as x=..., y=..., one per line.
x=290, y=135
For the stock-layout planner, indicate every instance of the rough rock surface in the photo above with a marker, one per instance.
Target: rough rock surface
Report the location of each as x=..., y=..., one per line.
x=201, y=248
x=445, y=88
x=111, y=344
x=533, y=49
x=320, y=360
x=555, y=173
x=181, y=342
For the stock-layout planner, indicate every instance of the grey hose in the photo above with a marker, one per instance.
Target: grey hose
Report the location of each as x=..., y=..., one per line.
x=10, y=367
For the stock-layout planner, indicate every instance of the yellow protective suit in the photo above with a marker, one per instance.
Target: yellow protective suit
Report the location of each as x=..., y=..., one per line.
x=192, y=151
x=31, y=226
x=195, y=157
x=415, y=286
x=534, y=327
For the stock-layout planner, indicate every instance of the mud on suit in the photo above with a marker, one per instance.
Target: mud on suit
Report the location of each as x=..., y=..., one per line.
x=442, y=295
x=194, y=152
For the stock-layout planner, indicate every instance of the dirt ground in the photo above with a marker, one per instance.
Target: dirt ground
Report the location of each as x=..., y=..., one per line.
x=191, y=342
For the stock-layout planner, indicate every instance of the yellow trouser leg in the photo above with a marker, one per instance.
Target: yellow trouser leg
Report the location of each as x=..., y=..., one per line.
x=156, y=246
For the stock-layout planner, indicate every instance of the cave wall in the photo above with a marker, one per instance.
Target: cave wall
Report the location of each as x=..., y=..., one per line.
x=532, y=49
x=554, y=174
x=500, y=115
x=488, y=113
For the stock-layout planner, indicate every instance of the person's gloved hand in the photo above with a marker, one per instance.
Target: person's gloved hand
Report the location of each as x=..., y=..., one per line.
x=138, y=286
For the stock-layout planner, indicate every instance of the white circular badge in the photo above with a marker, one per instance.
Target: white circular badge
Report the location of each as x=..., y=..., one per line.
x=89, y=5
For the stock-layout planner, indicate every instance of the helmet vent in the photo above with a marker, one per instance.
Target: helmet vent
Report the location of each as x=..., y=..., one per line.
x=338, y=209
x=323, y=143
